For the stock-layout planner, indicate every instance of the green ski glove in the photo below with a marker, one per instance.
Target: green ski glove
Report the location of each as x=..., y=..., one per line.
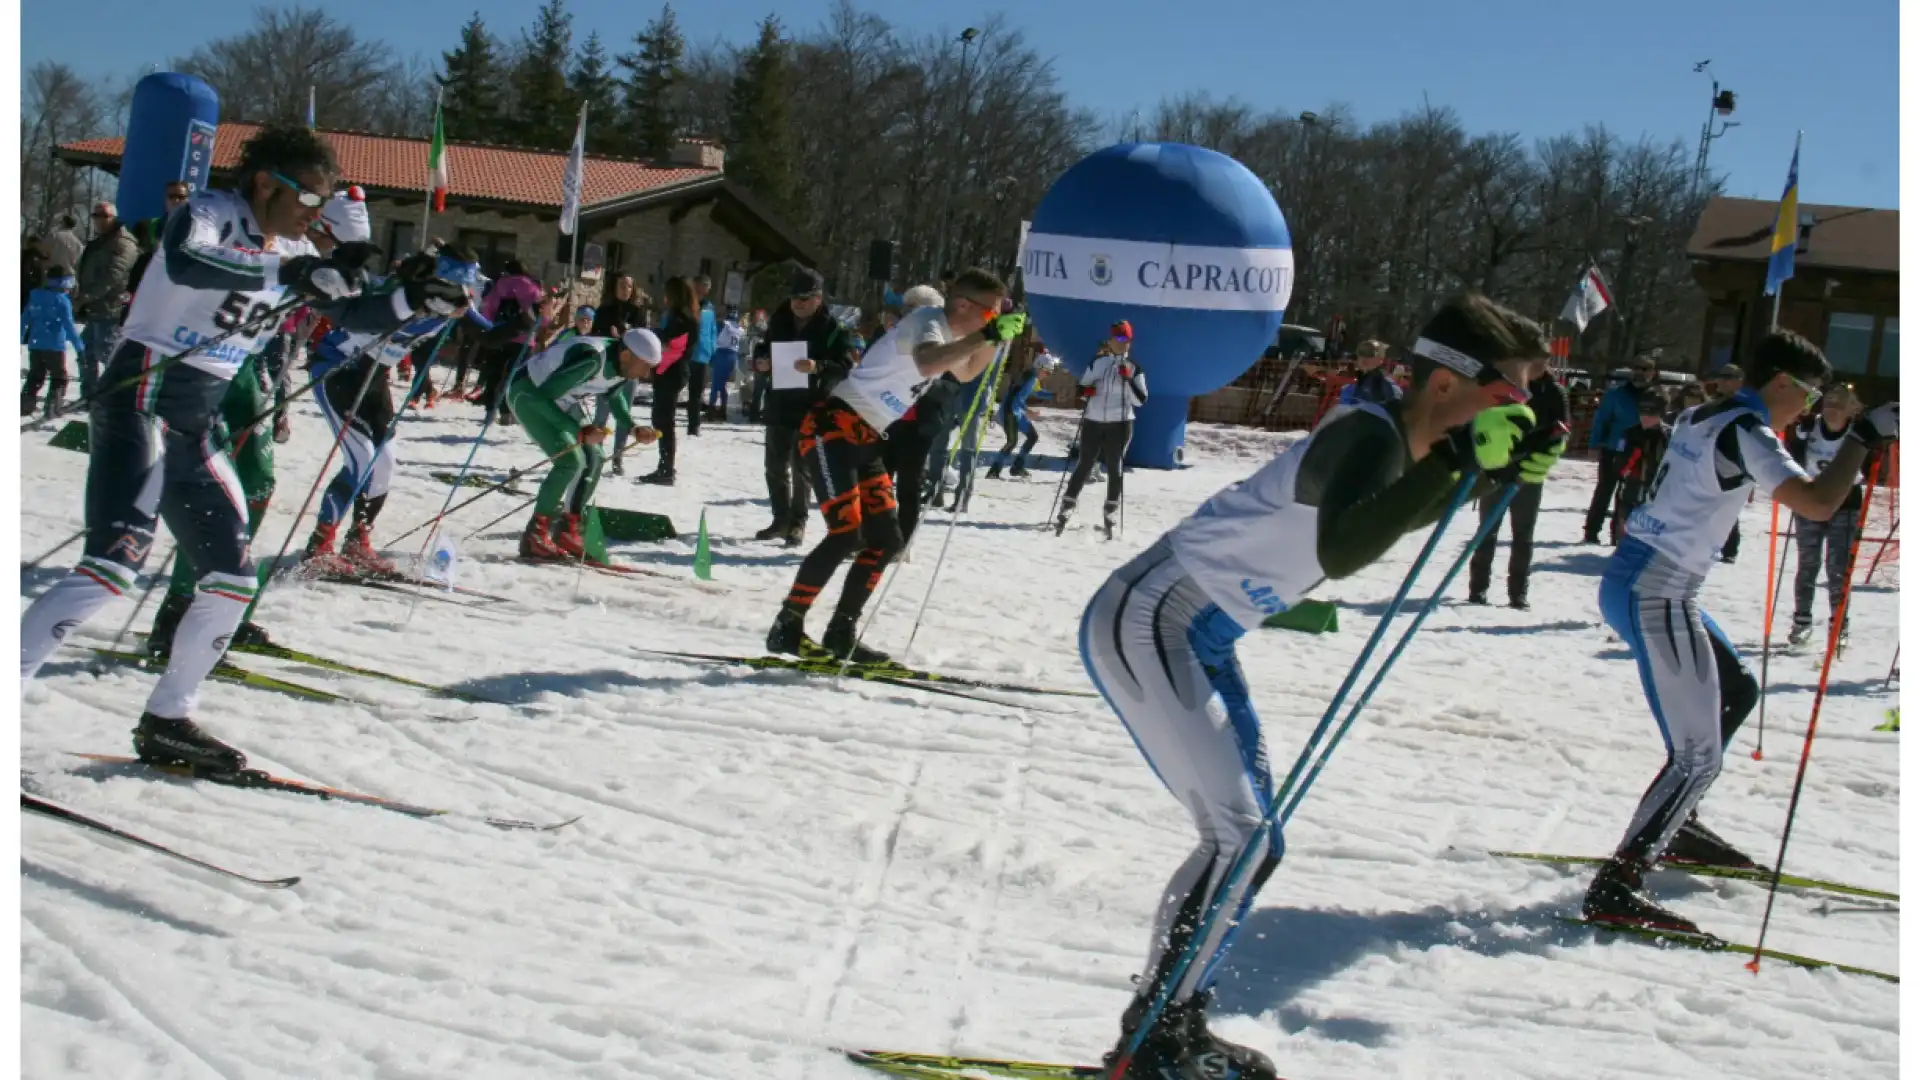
x=1004, y=327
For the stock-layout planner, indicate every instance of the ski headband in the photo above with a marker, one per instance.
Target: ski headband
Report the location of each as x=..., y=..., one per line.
x=60, y=283
x=1467, y=366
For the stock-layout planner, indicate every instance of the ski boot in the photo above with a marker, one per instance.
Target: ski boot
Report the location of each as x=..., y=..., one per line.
x=1616, y=897
x=1066, y=511
x=662, y=476
x=165, y=622
x=1107, y=513
x=160, y=741
x=250, y=634
x=1798, y=637
x=1181, y=1048
x=568, y=539
x=616, y=468
x=1697, y=845
x=994, y=472
x=536, y=545
x=1019, y=470
x=359, y=552
x=1840, y=646
x=796, y=536
x=1518, y=602
x=1477, y=597
x=321, y=542
x=788, y=637
x=842, y=643
x=775, y=531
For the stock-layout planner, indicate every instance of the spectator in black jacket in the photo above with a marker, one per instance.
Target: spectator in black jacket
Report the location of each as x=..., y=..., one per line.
x=1373, y=385
x=1549, y=403
x=830, y=355
x=1645, y=446
x=619, y=309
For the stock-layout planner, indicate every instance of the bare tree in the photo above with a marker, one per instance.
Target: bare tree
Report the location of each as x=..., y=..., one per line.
x=264, y=73
x=57, y=107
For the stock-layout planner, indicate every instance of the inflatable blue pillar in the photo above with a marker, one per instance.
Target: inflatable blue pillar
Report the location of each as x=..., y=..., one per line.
x=1184, y=243
x=171, y=125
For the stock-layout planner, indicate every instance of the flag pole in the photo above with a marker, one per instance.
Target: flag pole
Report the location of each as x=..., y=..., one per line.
x=1793, y=187
x=573, y=255
x=426, y=211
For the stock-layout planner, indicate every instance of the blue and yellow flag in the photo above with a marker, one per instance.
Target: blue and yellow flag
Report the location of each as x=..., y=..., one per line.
x=1786, y=227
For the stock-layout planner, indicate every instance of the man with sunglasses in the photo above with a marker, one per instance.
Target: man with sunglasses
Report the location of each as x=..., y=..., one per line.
x=106, y=266
x=1158, y=639
x=227, y=261
x=1698, y=686
x=840, y=443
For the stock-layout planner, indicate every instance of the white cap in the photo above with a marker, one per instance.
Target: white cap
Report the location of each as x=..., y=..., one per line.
x=642, y=343
x=345, y=218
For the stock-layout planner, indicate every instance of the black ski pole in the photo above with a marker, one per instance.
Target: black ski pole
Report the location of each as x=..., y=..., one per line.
x=451, y=510
x=326, y=467
x=166, y=571
x=522, y=505
x=71, y=817
x=55, y=549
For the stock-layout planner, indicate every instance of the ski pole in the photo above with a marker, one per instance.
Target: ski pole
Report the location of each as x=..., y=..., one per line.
x=1079, y=434
x=166, y=362
x=360, y=482
x=490, y=489
x=166, y=571
x=1490, y=523
x=55, y=549
x=326, y=467
x=499, y=395
x=1258, y=838
x=1774, y=584
x=528, y=501
x=953, y=519
x=1813, y=720
x=1892, y=669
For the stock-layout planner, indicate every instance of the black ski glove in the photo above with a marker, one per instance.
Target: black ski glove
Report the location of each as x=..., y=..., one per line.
x=436, y=296
x=320, y=279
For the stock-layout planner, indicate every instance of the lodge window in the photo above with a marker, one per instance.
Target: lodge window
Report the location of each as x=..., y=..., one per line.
x=493, y=248
x=1888, y=363
x=1849, y=342
x=400, y=243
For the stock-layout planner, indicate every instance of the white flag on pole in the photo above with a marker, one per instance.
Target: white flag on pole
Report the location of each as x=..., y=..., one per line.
x=1590, y=297
x=570, y=184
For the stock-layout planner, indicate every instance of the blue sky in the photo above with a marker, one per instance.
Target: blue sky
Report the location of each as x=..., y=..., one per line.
x=1537, y=68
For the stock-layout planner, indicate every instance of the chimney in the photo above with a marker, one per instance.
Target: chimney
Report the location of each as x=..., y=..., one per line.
x=699, y=153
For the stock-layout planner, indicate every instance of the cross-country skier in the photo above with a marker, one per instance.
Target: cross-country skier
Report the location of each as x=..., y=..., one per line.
x=550, y=395
x=1158, y=638
x=1698, y=686
x=1813, y=443
x=840, y=442
x=227, y=259
x=1015, y=422
x=1113, y=388
x=343, y=358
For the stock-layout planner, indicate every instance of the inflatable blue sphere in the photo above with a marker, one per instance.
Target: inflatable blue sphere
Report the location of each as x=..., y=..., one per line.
x=1184, y=243
x=170, y=130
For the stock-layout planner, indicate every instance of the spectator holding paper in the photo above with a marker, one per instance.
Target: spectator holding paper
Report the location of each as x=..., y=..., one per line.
x=806, y=352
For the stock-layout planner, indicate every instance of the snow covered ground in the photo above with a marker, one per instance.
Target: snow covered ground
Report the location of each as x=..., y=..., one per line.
x=770, y=865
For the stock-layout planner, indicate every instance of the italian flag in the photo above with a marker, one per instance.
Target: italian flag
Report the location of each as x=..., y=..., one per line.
x=437, y=162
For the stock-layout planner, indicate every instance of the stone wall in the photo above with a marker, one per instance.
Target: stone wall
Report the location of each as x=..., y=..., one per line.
x=654, y=246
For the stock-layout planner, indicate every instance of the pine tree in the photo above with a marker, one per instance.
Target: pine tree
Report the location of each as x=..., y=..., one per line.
x=546, y=109
x=592, y=81
x=472, y=86
x=653, y=87
x=760, y=145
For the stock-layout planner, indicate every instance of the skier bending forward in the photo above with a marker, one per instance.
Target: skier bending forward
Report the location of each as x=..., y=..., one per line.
x=1158, y=638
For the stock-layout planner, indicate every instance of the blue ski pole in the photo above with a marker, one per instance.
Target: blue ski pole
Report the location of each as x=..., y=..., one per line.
x=1419, y=617
x=413, y=391
x=1245, y=860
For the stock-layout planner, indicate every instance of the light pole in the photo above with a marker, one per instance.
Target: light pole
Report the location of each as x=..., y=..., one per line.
x=966, y=118
x=1315, y=155
x=1719, y=104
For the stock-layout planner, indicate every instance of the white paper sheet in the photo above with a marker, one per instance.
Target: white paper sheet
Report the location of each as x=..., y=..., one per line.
x=785, y=355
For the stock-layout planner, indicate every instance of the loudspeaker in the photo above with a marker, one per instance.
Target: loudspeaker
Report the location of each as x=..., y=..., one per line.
x=880, y=260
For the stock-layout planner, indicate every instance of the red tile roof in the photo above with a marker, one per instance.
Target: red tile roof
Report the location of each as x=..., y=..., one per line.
x=530, y=177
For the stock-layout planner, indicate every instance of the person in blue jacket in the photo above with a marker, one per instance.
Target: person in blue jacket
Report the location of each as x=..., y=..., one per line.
x=47, y=329
x=1374, y=385
x=1619, y=413
x=1013, y=415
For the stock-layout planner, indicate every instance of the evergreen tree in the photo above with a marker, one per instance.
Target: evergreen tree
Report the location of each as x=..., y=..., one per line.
x=760, y=144
x=472, y=86
x=546, y=109
x=653, y=85
x=592, y=81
